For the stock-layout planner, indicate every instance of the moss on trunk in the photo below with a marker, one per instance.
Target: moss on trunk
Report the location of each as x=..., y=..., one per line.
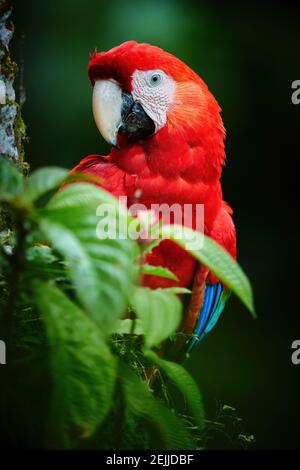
x=12, y=127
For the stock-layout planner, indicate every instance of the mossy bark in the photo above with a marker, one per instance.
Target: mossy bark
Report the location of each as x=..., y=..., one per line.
x=12, y=127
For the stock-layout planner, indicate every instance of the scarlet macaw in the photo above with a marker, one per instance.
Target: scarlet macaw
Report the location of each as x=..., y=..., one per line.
x=168, y=147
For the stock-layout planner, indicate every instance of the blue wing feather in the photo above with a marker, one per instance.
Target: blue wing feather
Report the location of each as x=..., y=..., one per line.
x=215, y=298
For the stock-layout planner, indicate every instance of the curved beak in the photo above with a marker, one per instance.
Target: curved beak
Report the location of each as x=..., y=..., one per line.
x=115, y=111
x=107, y=103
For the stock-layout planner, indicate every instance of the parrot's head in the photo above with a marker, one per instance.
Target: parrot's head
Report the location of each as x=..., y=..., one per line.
x=141, y=91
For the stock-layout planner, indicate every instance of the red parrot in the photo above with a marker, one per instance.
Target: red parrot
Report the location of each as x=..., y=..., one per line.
x=167, y=140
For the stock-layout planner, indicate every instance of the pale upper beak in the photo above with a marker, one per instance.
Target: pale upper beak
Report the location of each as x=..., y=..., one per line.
x=107, y=102
x=115, y=111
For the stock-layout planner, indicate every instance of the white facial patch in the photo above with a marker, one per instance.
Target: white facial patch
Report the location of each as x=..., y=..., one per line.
x=154, y=90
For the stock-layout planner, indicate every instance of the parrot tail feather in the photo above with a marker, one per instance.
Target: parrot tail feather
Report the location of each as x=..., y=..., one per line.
x=215, y=298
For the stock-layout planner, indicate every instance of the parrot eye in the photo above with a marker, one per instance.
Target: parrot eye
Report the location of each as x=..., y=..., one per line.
x=155, y=79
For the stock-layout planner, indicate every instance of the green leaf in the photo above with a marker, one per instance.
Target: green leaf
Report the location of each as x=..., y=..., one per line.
x=103, y=271
x=11, y=180
x=86, y=194
x=159, y=312
x=169, y=431
x=41, y=254
x=214, y=257
x=158, y=271
x=177, y=290
x=43, y=181
x=44, y=264
x=83, y=368
x=184, y=382
x=127, y=327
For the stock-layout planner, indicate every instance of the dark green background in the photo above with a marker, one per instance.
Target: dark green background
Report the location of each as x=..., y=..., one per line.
x=248, y=56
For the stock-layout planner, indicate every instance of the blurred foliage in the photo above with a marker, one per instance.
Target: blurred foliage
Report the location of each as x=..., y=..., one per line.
x=76, y=377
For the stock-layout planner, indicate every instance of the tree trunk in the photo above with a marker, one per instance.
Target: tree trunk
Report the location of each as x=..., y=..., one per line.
x=12, y=127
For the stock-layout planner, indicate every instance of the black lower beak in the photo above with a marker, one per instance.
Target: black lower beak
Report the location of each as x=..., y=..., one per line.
x=136, y=124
